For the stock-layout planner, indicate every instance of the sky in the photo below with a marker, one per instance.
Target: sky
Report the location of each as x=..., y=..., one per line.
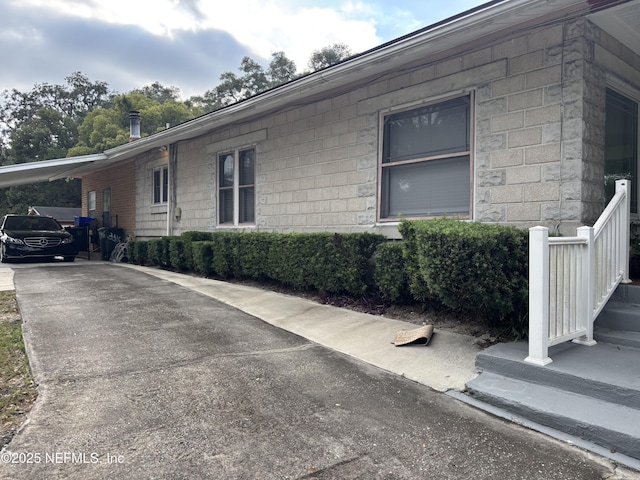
x=188, y=43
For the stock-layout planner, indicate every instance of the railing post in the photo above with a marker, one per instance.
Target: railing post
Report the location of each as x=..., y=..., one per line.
x=625, y=228
x=538, y=296
x=588, y=289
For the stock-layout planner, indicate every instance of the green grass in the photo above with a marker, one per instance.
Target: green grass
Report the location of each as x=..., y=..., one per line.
x=17, y=389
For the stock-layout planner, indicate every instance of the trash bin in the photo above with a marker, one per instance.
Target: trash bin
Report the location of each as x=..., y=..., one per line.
x=109, y=238
x=81, y=237
x=83, y=221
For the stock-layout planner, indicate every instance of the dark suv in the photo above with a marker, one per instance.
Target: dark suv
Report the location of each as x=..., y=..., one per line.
x=35, y=236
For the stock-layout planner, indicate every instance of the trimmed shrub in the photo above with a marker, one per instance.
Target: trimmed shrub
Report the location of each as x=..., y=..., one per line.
x=417, y=285
x=179, y=259
x=202, y=257
x=197, y=236
x=390, y=273
x=138, y=252
x=154, y=251
x=165, y=257
x=223, y=255
x=181, y=251
x=325, y=261
x=475, y=268
x=252, y=254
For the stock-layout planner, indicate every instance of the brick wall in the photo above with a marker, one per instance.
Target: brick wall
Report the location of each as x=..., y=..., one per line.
x=121, y=181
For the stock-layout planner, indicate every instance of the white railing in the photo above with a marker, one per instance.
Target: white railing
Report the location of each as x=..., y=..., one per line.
x=572, y=278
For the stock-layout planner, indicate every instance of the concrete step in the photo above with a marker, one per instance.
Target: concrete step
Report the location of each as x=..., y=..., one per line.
x=627, y=294
x=611, y=425
x=605, y=371
x=618, y=337
x=619, y=316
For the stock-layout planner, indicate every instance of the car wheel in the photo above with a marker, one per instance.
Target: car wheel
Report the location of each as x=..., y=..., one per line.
x=69, y=259
x=3, y=254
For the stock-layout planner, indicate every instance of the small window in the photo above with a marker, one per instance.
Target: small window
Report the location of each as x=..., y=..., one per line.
x=91, y=200
x=426, y=161
x=160, y=184
x=106, y=207
x=236, y=187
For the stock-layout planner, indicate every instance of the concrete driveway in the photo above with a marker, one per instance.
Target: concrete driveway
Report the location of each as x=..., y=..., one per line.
x=141, y=378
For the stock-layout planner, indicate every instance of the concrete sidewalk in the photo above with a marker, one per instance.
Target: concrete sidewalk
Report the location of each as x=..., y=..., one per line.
x=447, y=363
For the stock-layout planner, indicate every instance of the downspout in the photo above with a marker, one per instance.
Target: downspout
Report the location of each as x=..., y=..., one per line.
x=171, y=197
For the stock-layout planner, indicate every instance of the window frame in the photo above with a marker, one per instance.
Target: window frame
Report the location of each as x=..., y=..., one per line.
x=106, y=207
x=236, y=188
x=455, y=155
x=161, y=187
x=92, y=205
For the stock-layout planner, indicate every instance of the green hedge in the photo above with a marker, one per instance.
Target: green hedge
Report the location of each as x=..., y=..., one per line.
x=324, y=261
x=475, y=268
x=202, y=257
x=137, y=252
x=390, y=274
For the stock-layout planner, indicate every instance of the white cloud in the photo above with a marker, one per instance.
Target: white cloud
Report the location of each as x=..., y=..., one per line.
x=189, y=43
x=262, y=26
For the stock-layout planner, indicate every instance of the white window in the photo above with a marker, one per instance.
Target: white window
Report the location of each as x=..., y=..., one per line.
x=91, y=200
x=236, y=187
x=160, y=184
x=425, y=169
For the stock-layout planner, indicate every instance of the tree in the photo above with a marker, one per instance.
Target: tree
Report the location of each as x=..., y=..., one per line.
x=159, y=92
x=281, y=69
x=73, y=100
x=46, y=135
x=105, y=128
x=254, y=80
x=327, y=56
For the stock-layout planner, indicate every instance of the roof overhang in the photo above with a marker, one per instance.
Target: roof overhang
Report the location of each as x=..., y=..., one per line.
x=45, y=171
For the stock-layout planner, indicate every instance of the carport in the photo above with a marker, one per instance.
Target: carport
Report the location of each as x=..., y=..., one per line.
x=51, y=170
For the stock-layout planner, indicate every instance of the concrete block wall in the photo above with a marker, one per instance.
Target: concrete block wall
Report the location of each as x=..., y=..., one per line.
x=520, y=125
x=538, y=139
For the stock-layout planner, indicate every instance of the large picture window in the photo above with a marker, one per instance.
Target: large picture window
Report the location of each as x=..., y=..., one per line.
x=426, y=161
x=236, y=187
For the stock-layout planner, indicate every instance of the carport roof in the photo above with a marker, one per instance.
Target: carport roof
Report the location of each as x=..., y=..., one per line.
x=46, y=170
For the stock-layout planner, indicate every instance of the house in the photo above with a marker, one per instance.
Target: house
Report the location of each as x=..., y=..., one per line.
x=519, y=112
x=65, y=215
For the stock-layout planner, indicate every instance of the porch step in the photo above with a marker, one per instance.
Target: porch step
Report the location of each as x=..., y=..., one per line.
x=604, y=371
x=619, y=316
x=618, y=337
x=588, y=392
x=619, y=321
x=627, y=293
x=609, y=425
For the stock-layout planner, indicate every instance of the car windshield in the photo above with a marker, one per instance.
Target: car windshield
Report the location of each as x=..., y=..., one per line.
x=31, y=223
